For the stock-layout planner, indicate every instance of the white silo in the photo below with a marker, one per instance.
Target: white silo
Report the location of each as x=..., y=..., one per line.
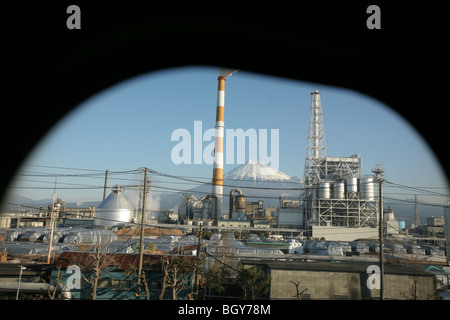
x=339, y=190
x=323, y=190
x=366, y=189
x=115, y=210
x=352, y=185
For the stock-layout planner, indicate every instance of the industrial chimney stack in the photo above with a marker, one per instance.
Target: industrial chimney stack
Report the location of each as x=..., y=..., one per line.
x=217, y=181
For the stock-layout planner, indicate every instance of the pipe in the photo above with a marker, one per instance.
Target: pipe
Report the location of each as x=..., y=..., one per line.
x=30, y=287
x=217, y=180
x=230, y=209
x=216, y=206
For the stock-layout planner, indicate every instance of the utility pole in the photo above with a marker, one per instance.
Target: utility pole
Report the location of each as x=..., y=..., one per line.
x=141, y=246
x=105, y=189
x=199, y=256
x=378, y=175
x=20, y=279
x=52, y=222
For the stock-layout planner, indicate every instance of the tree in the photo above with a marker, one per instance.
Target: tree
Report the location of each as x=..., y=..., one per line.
x=164, y=261
x=175, y=273
x=299, y=293
x=254, y=282
x=412, y=294
x=214, y=279
x=179, y=269
x=132, y=270
x=52, y=290
x=93, y=266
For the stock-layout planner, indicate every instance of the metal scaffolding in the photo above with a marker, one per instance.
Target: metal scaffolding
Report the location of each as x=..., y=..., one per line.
x=344, y=212
x=335, y=193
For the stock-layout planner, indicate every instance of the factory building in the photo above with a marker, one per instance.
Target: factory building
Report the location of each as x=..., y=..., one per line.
x=342, y=281
x=335, y=194
x=337, y=199
x=289, y=214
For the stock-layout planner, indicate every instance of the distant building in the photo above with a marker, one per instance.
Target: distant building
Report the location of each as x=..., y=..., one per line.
x=289, y=214
x=261, y=223
x=268, y=211
x=233, y=223
x=290, y=217
x=254, y=208
x=434, y=221
x=434, y=227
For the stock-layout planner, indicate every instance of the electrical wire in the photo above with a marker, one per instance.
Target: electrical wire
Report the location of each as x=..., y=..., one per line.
x=188, y=180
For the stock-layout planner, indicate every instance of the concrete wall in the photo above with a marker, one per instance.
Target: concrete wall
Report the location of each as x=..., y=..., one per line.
x=343, y=233
x=321, y=285
x=346, y=285
x=402, y=287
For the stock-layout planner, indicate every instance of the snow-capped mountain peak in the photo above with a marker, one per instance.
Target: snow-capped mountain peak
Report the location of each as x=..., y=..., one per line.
x=256, y=171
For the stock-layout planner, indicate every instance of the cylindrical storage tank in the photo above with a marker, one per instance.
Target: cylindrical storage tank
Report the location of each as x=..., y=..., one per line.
x=352, y=185
x=389, y=216
x=240, y=202
x=366, y=189
x=315, y=191
x=339, y=190
x=323, y=191
x=115, y=210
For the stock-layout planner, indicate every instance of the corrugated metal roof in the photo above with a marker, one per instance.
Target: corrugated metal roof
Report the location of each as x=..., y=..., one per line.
x=353, y=267
x=120, y=260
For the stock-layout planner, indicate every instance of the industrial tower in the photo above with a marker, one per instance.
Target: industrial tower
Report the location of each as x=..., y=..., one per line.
x=316, y=148
x=335, y=193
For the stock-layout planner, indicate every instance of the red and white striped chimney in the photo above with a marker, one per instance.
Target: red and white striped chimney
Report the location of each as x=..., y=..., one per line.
x=217, y=180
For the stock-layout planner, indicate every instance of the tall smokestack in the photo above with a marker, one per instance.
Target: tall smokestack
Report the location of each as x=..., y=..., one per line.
x=217, y=180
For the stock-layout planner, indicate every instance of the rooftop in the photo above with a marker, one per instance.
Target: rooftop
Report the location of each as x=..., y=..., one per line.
x=353, y=267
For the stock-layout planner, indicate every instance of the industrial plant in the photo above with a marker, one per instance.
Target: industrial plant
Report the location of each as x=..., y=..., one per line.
x=336, y=201
x=336, y=194
x=291, y=229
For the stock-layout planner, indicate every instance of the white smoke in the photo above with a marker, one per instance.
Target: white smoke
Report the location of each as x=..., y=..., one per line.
x=226, y=72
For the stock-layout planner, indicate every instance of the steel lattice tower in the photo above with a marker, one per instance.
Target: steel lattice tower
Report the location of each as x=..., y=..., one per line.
x=316, y=148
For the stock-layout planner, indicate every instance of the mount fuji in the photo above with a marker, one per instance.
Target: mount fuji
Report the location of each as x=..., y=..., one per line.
x=256, y=171
x=256, y=180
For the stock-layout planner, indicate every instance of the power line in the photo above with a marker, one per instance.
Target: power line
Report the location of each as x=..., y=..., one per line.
x=190, y=180
x=421, y=203
x=397, y=185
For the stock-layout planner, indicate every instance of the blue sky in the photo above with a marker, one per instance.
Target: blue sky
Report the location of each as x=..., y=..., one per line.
x=129, y=126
